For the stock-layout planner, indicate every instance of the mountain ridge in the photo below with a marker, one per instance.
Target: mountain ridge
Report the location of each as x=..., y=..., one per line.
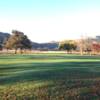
x=37, y=46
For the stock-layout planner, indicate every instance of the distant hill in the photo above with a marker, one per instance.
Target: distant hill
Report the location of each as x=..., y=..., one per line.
x=3, y=37
x=37, y=46
x=45, y=46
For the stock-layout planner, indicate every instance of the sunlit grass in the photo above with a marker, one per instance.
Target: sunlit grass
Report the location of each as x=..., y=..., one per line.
x=49, y=77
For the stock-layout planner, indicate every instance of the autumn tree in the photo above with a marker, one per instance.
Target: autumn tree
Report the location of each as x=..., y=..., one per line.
x=96, y=47
x=87, y=45
x=18, y=41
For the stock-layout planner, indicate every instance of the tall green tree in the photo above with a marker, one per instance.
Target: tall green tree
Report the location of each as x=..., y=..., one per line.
x=68, y=45
x=18, y=41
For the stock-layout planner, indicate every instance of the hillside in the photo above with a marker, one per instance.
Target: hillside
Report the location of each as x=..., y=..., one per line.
x=35, y=45
x=45, y=46
x=3, y=36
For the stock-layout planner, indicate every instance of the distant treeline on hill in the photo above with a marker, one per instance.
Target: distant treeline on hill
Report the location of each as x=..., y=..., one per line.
x=3, y=37
x=18, y=40
x=45, y=46
x=36, y=46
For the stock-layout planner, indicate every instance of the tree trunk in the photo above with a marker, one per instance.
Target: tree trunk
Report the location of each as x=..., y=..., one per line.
x=21, y=51
x=7, y=50
x=81, y=51
x=15, y=51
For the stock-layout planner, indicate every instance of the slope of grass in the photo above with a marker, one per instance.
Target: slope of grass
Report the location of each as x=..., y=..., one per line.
x=49, y=77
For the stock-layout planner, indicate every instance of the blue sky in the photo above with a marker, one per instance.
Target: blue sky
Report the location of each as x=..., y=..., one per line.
x=48, y=20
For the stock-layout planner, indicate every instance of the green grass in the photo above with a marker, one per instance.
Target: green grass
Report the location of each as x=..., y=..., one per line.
x=49, y=77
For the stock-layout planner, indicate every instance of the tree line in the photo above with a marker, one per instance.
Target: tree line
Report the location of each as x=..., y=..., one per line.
x=19, y=41
x=84, y=46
